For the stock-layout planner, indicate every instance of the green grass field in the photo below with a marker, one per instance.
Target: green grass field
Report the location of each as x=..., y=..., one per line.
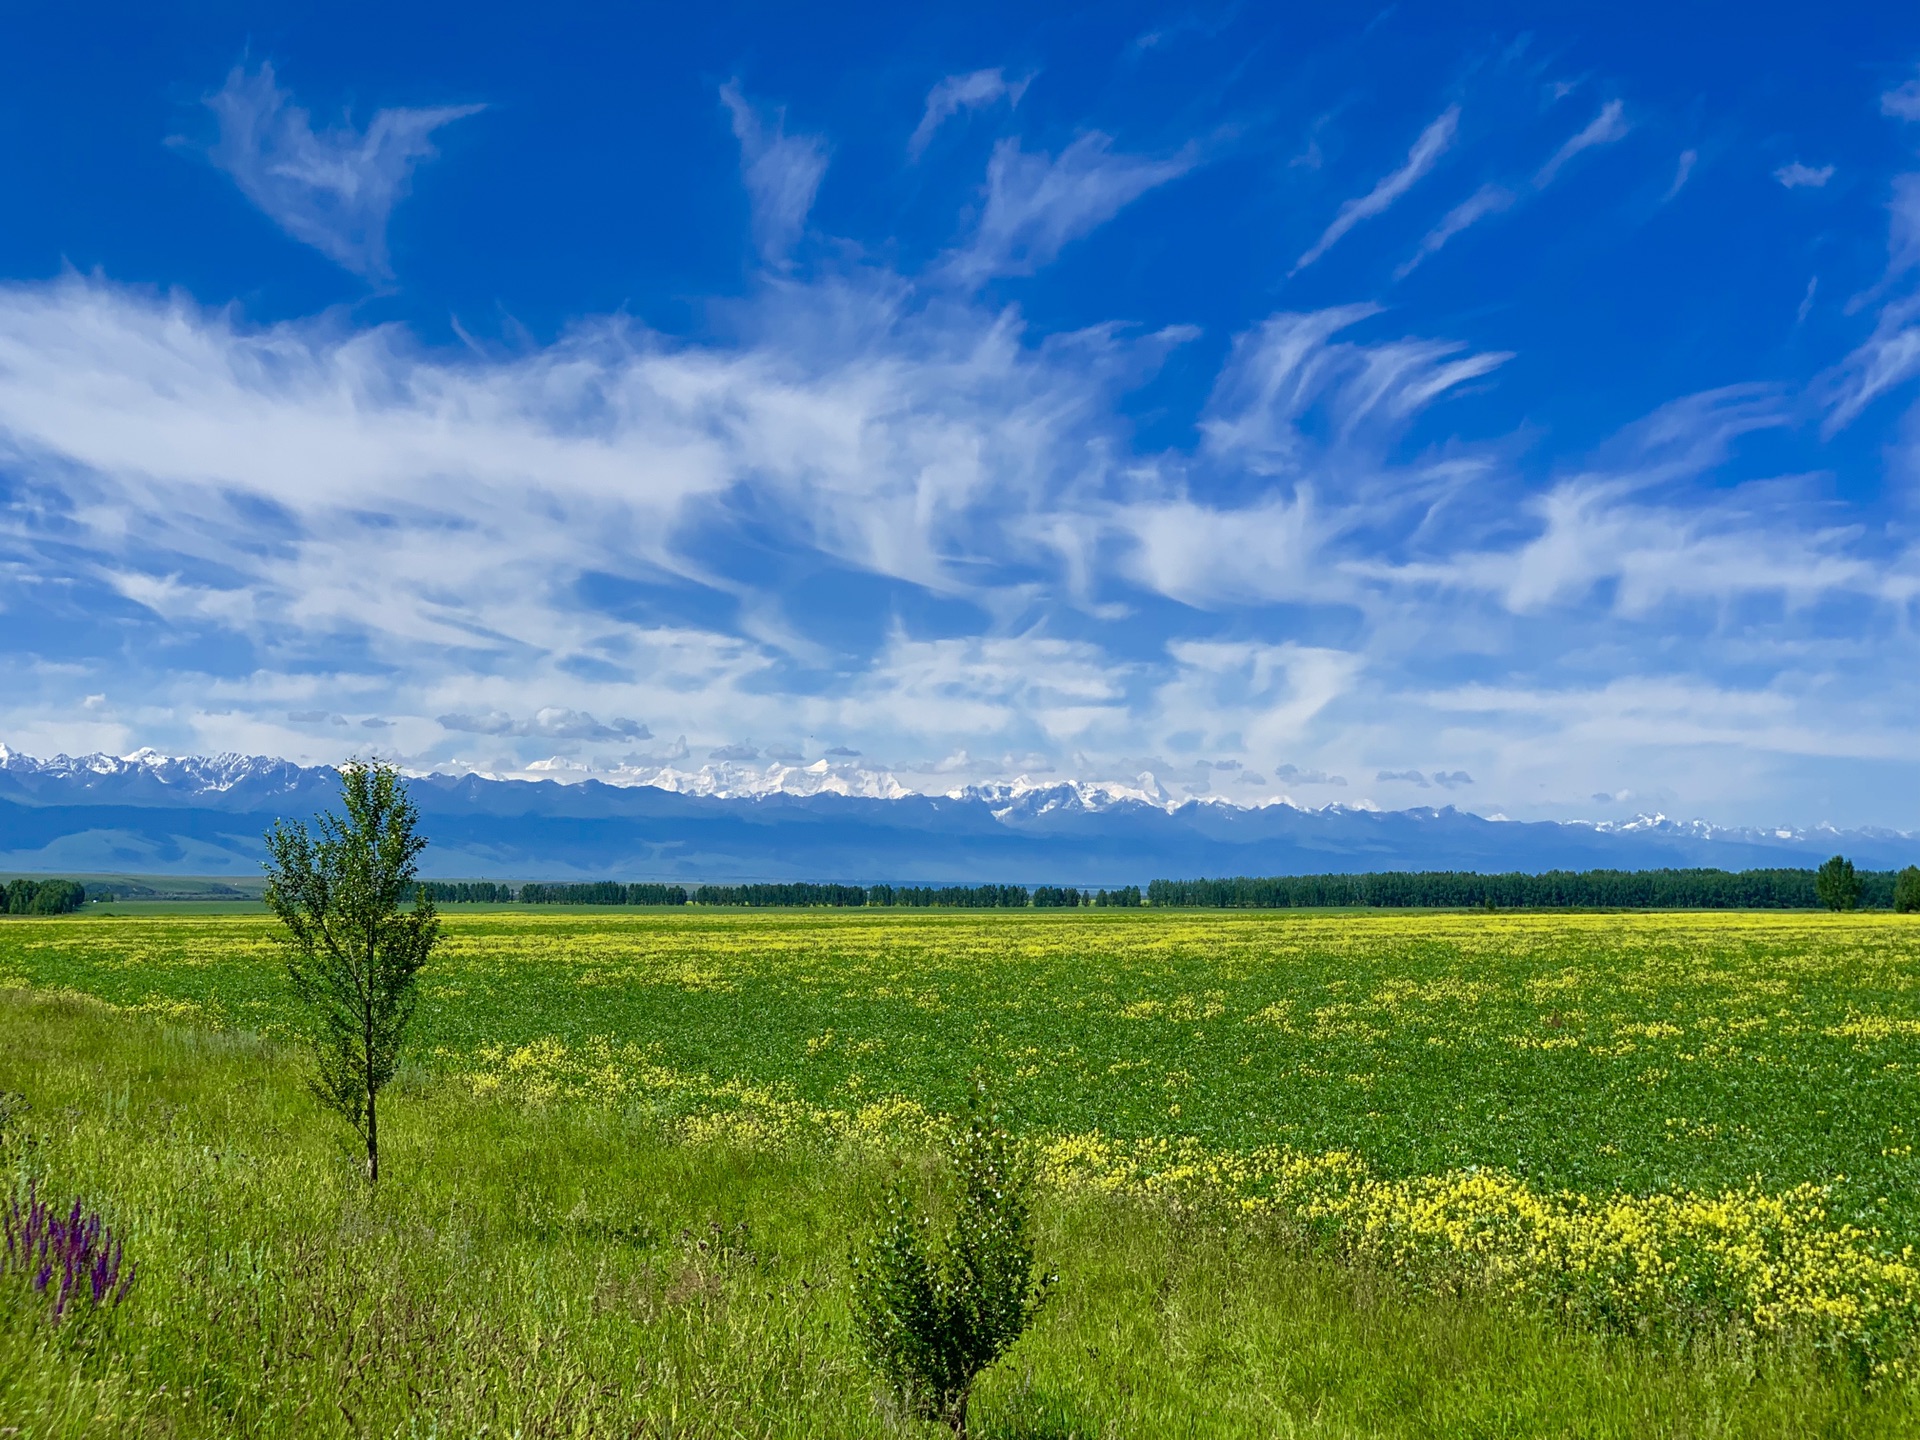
x=1306, y=1174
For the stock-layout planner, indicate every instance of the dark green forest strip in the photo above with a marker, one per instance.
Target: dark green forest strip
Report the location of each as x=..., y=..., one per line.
x=1700, y=889
x=1550, y=890
x=1695, y=889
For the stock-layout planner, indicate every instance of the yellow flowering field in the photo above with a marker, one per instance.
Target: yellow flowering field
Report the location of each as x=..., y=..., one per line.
x=1644, y=1122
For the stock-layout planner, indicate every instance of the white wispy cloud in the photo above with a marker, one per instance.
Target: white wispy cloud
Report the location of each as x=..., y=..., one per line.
x=1711, y=550
x=1664, y=713
x=1885, y=360
x=782, y=172
x=1318, y=414
x=1036, y=204
x=1491, y=199
x=1604, y=129
x=1212, y=557
x=1425, y=153
x=1682, y=172
x=1639, y=534
x=1487, y=200
x=957, y=93
x=1798, y=176
x=1251, y=696
x=1903, y=101
x=890, y=435
x=1903, y=227
x=1030, y=689
x=333, y=189
x=553, y=722
x=1890, y=356
x=1291, y=365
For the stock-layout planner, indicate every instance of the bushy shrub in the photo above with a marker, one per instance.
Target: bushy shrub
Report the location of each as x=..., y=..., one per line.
x=934, y=1310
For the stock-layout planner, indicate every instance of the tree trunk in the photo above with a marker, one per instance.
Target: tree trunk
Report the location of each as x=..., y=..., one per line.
x=366, y=1055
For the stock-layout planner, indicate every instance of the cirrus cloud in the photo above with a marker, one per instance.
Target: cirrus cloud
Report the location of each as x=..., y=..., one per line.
x=333, y=189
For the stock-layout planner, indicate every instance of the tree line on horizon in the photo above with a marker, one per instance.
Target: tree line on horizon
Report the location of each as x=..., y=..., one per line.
x=1835, y=885
x=782, y=895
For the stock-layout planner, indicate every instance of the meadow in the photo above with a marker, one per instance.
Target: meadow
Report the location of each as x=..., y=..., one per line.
x=1666, y=1157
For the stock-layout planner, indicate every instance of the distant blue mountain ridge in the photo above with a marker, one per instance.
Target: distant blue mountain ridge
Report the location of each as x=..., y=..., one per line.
x=160, y=815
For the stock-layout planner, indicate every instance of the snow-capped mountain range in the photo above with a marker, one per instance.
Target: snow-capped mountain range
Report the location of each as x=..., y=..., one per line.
x=189, y=774
x=831, y=820
x=722, y=780
x=732, y=780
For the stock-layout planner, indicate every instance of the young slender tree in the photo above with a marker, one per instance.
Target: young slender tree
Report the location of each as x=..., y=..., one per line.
x=358, y=930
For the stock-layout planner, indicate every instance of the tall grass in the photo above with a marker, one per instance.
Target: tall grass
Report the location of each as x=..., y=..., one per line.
x=572, y=1272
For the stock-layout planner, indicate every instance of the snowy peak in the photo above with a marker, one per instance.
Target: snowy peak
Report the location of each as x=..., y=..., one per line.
x=1027, y=798
x=1657, y=824
x=730, y=780
x=191, y=775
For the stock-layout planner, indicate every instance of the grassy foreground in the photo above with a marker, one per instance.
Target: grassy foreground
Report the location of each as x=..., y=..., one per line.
x=1685, y=1123
x=565, y=1270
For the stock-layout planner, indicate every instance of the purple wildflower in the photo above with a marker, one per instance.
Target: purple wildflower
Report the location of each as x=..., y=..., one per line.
x=62, y=1254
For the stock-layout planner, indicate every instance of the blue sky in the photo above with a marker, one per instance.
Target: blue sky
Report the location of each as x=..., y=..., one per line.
x=1416, y=406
